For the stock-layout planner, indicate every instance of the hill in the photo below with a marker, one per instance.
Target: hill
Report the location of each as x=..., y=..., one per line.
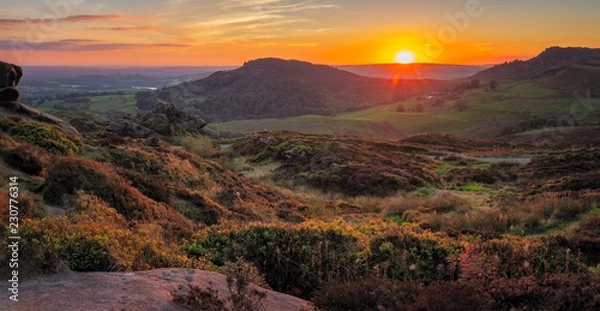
x=550, y=62
x=577, y=77
x=282, y=88
x=380, y=225
x=414, y=71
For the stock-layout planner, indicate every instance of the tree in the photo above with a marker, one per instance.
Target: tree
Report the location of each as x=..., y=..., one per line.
x=493, y=85
x=400, y=108
x=474, y=84
x=419, y=108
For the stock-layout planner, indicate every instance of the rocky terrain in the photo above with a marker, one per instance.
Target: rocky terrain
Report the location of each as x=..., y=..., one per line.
x=164, y=120
x=147, y=290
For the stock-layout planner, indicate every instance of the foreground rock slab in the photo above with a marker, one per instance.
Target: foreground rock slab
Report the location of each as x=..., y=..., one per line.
x=130, y=291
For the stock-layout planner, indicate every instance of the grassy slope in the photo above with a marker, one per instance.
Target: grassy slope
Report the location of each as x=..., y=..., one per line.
x=487, y=114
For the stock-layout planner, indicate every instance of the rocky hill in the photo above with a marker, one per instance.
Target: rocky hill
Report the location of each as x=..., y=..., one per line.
x=549, y=63
x=273, y=88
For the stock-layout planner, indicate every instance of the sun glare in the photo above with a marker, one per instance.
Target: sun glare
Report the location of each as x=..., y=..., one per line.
x=404, y=57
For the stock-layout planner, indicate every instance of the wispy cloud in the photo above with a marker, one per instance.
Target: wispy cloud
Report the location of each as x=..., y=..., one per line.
x=82, y=45
x=71, y=19
x=126, y=28
x=249, y=19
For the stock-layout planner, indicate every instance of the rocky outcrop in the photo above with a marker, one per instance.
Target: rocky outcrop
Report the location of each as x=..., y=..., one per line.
x=166, y=120
x=145, y=290
x=128, y=128
x=10, y=75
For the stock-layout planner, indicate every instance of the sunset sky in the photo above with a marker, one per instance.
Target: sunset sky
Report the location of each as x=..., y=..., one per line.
x=207, y=32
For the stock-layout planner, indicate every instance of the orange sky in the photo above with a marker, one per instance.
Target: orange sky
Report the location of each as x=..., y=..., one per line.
x=186, y=32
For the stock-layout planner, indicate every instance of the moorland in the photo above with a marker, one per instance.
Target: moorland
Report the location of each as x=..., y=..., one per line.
x=414, y=195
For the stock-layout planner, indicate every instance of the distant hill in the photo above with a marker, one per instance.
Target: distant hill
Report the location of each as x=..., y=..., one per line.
x=274, y=88
x=549, y=63
x=414, y=71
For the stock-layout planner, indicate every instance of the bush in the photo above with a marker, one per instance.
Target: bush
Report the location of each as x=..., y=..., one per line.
x=200, y=299
x=294, y=259
x=453, y=296
x=369, y=294
x=49, y=137
x=202, y=146
x=405, y=255
x=70, y=174
x=445, y=202
x=28, y=158
x=242, y=295
x=95, y=238
x=87, y=254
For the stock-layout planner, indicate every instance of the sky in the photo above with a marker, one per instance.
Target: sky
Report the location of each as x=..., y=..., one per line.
x=336, y=32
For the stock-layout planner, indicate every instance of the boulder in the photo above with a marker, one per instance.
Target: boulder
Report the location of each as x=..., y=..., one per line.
x=144, y=290
x=10, y=75
x=128, y=128
x=166, y=120
x=169, y=113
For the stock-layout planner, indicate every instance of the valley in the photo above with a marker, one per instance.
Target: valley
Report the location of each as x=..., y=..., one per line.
x=411, y=195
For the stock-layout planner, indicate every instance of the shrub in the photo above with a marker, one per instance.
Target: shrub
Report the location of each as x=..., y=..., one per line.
x=407, y=203
x=87, y=254
x=201, y=299
x=95, y=238
x=368, y=294
x=28, y=158
x=590, y=226
x=453, y=296
x=70, y=174
x=445, y=202
x=549, y=292
x=242, y=295
x=49, y=137
x=202, y=146
x=294, y=259
x=405, y=255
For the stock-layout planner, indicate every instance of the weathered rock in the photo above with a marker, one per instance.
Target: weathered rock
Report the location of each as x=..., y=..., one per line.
x=210, y=133
x=169, y=113
x=145, y=290
x=166, y=119
x=10, y=75
x=128, y=128
x=9, y=94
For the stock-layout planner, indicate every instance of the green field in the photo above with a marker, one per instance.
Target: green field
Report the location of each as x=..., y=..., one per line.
x=487, y=114
x=99, y=104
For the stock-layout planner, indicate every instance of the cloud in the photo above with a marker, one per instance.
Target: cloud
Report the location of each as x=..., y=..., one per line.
x=7, y=23
x=90, y=18
x=124, y=29
x=253, y=19
x=80, y=45
x=11, y=22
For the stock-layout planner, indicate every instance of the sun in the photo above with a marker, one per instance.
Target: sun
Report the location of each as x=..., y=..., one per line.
x=404, y=57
